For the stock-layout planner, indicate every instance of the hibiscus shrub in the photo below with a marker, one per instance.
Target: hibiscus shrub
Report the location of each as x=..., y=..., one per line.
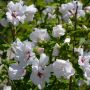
x=45, y=44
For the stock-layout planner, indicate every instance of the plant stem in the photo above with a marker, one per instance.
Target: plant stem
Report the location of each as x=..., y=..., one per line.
x=13, y=31
x=75, y=28
x=70, y=83
x=57, y=14
x=75, y=25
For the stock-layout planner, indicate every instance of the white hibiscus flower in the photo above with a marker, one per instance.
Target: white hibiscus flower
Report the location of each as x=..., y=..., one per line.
x=15, y=13
x=40, y=72
x=22, y=52
x=84, y=60
x=58, y=31
x=29, y=12
x=68, y=10
x=39, y=35
x=63, y=68
x=50, y=12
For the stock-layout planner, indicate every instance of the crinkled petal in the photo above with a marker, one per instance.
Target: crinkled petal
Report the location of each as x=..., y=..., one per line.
x=16, y=72
x=43, y=59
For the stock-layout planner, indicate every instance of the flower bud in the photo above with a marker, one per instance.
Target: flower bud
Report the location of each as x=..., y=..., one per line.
x=87, y=9
x=39, y=50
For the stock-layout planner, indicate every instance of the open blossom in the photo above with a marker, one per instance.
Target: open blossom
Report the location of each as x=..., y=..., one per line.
x=16, y=72
x=50, y=12
x=63, y=68
x=18, y=12
x=39, y=35
x=84, y=60
x=24, y=53
x=68, y=10
x=40, y=72
x=29, y=12
x=15, y=12
x=58, y=31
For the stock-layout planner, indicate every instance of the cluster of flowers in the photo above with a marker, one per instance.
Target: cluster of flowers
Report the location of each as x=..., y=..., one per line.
x=23, y=52
x=18, y=12
x=68, y=10
x=41, y=71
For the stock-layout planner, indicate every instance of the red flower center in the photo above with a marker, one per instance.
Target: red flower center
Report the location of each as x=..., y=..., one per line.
x=27, y=55
x=14, y=14
x=82, y=59
x=39, y=74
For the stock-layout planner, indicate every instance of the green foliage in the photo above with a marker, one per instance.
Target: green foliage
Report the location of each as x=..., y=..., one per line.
x=82, y=38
